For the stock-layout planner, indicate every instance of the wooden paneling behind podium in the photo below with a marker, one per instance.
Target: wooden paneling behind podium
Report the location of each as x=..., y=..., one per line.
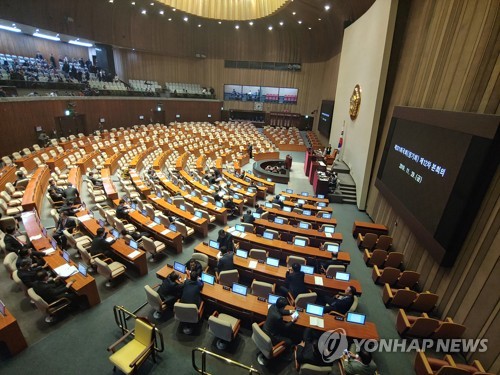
x=24, y=115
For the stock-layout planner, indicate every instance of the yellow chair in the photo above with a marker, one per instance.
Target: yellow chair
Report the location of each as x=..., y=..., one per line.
x=129, y=357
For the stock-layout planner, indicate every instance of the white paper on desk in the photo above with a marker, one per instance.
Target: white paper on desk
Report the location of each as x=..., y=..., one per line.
x=237, y=233
x=188, y=196
x=231, y=230
x=85, y=217
x=243, y=235
x=204, y=203
x=48, y=251
x=318, y=322
x=109, y=239
x=155, y=198
x=318, y=280
x=37, y=237
x=252, y=264
x=65, y=270
x=133, y=254
x=151, y=225
x=195, y=218
x=166, y=231
x=329, y=235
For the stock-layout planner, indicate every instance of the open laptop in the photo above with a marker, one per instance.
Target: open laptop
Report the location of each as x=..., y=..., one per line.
x=82, y=268
x=287, y=209
x=301, y=201
x=356, y=318
x=206, y=278
x=144, y=212
x=239, y=228
x=101, y=223
x=303, y=225
x=304, y=194
x=321, y=196
x=268, y=235
x=314, y=309
x=169, y=200
x=2, y=308
x=239, y=289
x=282, y=198
x=198, y=214
x=242, y=253
x=214, y=244
x=179, y=267
x=204, y=199
x=279, y=220
x=115, y=233
x=326, y=215
x=157, y=220
x=256, y=215
x=289, y=191
x=272, y=298
x=236, y=196
x=182, y=207
x=268, y=205
x=329, y=229
x=308, y=270
x=133, y=206
x=275, y=262
x=53, y=243
x=219, y=204
x=66, y=257
x=133, y=245
x=172, y=227
x=333, y=248
x=300, y=242
x=306, y=212
x=322, y=204
x=343, y=276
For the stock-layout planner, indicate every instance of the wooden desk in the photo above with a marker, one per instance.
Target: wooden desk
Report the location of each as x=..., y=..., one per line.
x=75, y=177
x=107, y=184
x=294, y=197
x=139, y=184
x=366, y=227
x=250, y=307
x=281, y=249
x=58, y=161
x=201, y=162
x=11, y=334
x=271, y=274
x=261, y=191
x=181, y=161
x=172, y=239
x=28, y=161
x=295, y=217
x=200, y=225
x=310, y=207
x=265, y=155
x=120, y=248
x=313, y=234
x=7, y=174
x=35, y=190
x=86, y=161
x=268, y=184
x=112, y=162
x=84, y=286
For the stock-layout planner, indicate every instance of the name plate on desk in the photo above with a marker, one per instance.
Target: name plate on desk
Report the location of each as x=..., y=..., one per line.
x=166, y=231
x=252, y=264
x=318, y=280
x=151, y=225
x=85, y=218
x=318, y=322
x=134, y=254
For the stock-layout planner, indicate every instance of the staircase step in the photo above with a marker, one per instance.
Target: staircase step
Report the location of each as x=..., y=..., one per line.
x=348, y=200
x=347, y=187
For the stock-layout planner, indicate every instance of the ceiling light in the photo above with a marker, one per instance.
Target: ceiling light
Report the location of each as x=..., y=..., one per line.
x=300, y=22
x=170, y=19
x=144, y=11
x=199, y=25
x=174, y=9
x=45, y=36
x=281, y=23
x=111, y=1
x=251, y=23
x=152, y=4
x=237, y=26
x=220, y=22
x=78, y=43
x=327, y=7
x=185, y=19
x=310, y=28
x=162, y=12
x=133, y=49
x=133, y=3
x=294, y=13
x=270, y=28
x=319, y=19
x=10, y=28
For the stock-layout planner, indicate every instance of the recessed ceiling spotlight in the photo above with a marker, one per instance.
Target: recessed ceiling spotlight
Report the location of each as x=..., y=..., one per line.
x=152, y=4
x=327, y=7
x=199, y=25
x=319, y=19
x=270, y=28
x=310, y=28
x=143, y=11
x=185, y=19
x=251, y=23
x=300, y=22
x=162, y=12
x=220, y=22
x=170, y=19
x=133, y=49
x=281, y=23
x=133, y=3
x=173, y=9
x=294, y=13
x=111, y=1
x=237, y=27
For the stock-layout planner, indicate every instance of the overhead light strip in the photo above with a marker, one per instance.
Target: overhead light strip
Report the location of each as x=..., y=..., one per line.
x=45, y=36
x=10, y=28
x=78, y=43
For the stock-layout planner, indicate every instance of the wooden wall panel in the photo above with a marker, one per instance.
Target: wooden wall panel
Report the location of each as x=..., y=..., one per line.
x=19, y=117
x=449, y=61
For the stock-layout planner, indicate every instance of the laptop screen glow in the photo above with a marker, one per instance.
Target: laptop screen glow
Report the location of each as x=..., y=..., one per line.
x=343, y=276
x=275, y=262
x=314, y=309
x=239, y=289
x=299, y=242
x=268, y=235
x=356, y=318
x=309, y=270
x=179, y=267
x=213, y=244
x=206, y=278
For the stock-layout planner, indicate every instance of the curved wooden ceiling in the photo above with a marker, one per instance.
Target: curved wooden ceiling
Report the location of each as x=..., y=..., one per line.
x=300, y=31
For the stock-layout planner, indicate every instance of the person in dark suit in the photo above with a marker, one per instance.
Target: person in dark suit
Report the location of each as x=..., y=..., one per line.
x=191, y=293
x=278, y=201
x=100, y=245
x=248, y=217
x=122, y=210
x=36, y=257
x=225, y=262
x=340, y=303
x=95, y=181
x=64, y=223
x=56, y=193
x=259, y=209
x=225, y=240
x=274, y=326
x=72, y=194
x=250, y=150
x=170, y=289
x=193, y=265
x=231, y=207
x=12, y=244
x=294, y=282
x=27, y=272
x=307, y=351
x=50, y=290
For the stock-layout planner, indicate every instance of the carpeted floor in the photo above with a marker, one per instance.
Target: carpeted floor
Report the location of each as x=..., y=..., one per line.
x=77, y=344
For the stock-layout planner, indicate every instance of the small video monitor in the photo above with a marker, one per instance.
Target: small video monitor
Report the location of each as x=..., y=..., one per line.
x=206, y=278
x=158, y=194
x=82, y=268
x=326, y=215
x=329, y=229
x=322, y=204
x=306, y=212
x=272, y=298
x=256, y=215
x=303, y=225
x=212, y=187
x=44, y=232
x=279, y=220
x=300, y=242
x=268, y=235
x=157, y=220
x=238, y=186
x=287, y=209
x=251, y=190
x=204, y=199
x=219, y=204
x=268, y=179
x=309, y=270
x=214, y=244
x=133, y=244
x=133, y=206
x=268, y=205
x=184, y=187
x=182, y=207
x=172, y=227
x=144, y=212
x=242, y=253
x=236, y=196
x=333, y=248
x=239, y=228
x=198, y=214
x=169, y=200
x=321, y=196
x=356, y=318
x=342, y=276
x=179, y=267
x=275, y=262
x=282, y=198
x=301, y=201
x=65, y=256
x=314, y=309
x=115, y=233
x=101, y=223
x=239, y=289
x=304, y=194
x=289, y=191
x=53, y=243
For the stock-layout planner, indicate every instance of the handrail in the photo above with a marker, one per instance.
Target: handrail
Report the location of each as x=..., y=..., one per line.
x=122, y=315
x=204, y=354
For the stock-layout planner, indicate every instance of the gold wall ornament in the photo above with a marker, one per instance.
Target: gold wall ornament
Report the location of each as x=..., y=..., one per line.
x=355, y=102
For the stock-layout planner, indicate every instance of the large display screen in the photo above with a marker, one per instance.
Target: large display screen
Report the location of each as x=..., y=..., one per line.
x=433, y=170
x=281, y=95
x=326, y=117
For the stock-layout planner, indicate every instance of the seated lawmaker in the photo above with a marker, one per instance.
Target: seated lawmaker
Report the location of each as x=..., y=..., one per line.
x=170, y=289
x=225, y=240
x=274, y=326
x=278, y=201
x=192, y=265
x=55, y=192
x=122, y=210
x=248, y=217
x=100, y=245
x=12, y=243
x=259, y=209
x=36, y=257
x=360, y=363
x=72, y=194
x=225, y=262
x=95, y=181
x=307, y=352
x=340, y=303
x=50, y=290
x=26, y=271
x=294, y=281
x=191, y=293
x=64, y=223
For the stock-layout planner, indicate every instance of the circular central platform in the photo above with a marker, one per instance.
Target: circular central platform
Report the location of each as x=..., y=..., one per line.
x=282, y=177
